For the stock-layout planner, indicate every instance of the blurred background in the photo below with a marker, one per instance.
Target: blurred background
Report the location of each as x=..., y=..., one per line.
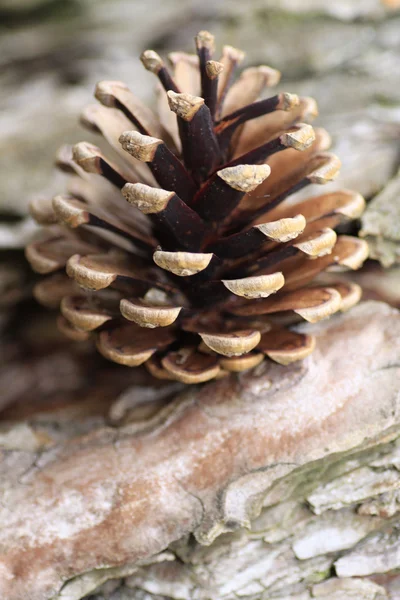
x=344, y=53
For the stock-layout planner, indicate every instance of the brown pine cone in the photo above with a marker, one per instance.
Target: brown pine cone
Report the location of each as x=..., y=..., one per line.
x=203, y=262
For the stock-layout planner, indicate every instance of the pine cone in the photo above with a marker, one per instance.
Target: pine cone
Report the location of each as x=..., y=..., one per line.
x=202, y=263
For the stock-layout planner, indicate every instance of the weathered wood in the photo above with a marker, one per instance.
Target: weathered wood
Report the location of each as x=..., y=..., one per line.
x=381, y=224
x=271, y=442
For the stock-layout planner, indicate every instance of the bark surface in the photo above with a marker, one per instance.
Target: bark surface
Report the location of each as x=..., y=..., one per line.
x=296, y=467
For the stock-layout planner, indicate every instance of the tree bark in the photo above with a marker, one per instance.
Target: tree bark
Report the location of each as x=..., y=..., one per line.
x=282, y=482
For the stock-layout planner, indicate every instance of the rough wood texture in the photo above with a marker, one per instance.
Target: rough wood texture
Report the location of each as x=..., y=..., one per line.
x=381, y=224
x=270, y=450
